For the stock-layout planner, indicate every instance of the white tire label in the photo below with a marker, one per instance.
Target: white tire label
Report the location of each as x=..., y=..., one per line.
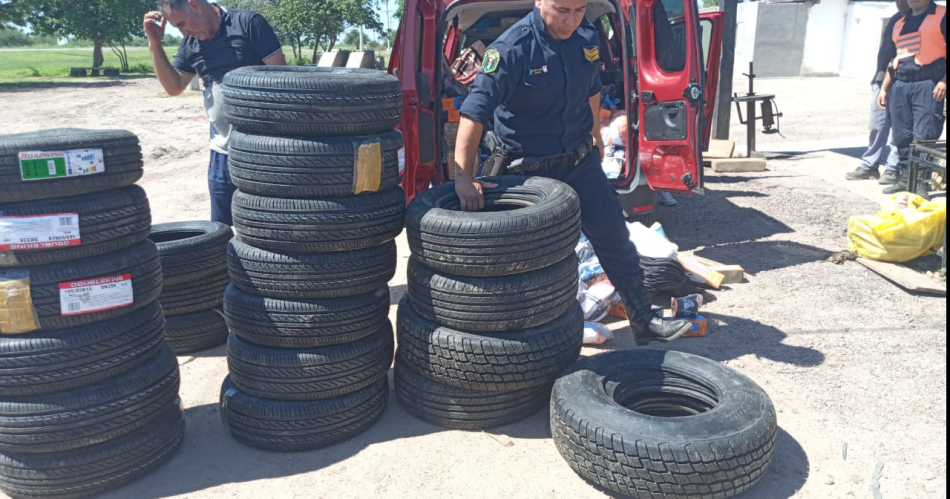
x=42, y=165
x=39, y=232
x=95, y=295
x=402, y=160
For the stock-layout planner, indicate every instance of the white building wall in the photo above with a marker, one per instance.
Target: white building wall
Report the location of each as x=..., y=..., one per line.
x=863, y=38
x=748, y=18
x=824, y=38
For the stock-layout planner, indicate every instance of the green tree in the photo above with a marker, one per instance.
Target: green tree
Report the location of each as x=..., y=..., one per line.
x=11, y=13
x=400, y=8
x=352, y=38
x=105, y=22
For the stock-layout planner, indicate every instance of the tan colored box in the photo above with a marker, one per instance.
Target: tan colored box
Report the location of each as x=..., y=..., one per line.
x=734, y=274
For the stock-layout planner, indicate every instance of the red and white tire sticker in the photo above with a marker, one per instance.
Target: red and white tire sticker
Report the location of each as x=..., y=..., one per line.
x=95, y=295
x=39, y=232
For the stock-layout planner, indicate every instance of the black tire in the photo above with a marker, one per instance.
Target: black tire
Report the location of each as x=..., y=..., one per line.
x=140, y=261
x=336, y=224
x=528, y=223
x=108, y=221
x=302, y=101
x=680, y=426
x=299, y=426
x=96, y=469
x=189, y=298
x=310, y=275
x=196, y=332
x=49, y=362
x=305, y=323
x=122, y=157
x=506, y=362
x=302, y=168
x=192, y=251
x=461, y=409
x=494, y=304
x=93, y=414
x=310, y=374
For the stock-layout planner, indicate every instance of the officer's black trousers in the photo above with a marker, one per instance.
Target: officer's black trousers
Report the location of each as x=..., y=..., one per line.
x=915, y=115
x=604, y=223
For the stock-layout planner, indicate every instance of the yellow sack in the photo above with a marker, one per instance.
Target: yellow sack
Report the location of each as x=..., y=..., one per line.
x=899, y=234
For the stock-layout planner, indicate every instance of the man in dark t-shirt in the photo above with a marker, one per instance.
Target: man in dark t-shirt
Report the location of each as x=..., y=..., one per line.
x=217, y=40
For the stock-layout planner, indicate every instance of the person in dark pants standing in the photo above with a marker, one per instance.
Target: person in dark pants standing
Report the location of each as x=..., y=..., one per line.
x=881, y=149
x=217, y=40
x=540, y=86
x=915, y=89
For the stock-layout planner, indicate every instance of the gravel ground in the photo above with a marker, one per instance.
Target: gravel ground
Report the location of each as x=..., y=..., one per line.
x=848, y=358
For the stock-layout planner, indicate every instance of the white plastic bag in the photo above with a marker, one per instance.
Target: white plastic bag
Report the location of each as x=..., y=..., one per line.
x=598, y=300
x=651, y=244
x=596, y=334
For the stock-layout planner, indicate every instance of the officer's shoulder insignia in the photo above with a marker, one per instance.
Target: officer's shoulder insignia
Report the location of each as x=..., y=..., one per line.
x=492, y=59
x=592, y=53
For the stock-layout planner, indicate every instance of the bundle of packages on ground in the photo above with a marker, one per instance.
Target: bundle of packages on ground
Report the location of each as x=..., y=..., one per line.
x=490, y=319
x=316, y=161
x=88, y=387
x=195, y=272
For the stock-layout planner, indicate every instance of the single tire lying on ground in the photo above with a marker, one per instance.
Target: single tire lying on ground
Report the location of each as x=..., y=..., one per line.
x=108, y=221
x=333, y=224
x=195, y=332
x=663, y=425
x=302, y=101
x=95, y=469
x=528, y=223
x=120, y=154
x=192, y=297
x=192, y=251
x=461, y=409
x=492, y=362
x=298, y=426
x=140, y=263
x=310, y=275
x=494, y=304
x=93, y=414
x=310, y=374
x=305, y=323
x=55, y=361
x=317, y=167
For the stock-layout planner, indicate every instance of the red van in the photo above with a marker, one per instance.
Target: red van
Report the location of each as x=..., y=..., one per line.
x=662, y=55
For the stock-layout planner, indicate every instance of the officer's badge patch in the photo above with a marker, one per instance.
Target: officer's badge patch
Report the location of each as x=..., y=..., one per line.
x=492, y=59
x=592, y=54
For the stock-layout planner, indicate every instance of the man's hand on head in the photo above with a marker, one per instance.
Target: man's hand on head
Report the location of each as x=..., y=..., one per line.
x=154, y=26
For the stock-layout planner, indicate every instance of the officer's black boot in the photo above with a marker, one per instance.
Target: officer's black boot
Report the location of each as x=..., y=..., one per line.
x=647, y=326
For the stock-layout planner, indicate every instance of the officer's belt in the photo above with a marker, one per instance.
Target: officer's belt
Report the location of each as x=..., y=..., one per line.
x=933, y=71
x=529, y=165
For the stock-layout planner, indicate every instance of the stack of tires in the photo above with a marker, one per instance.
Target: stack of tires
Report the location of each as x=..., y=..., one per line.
x=491, y=317
x=195, y=272
x=316, y=214
x=88, y=387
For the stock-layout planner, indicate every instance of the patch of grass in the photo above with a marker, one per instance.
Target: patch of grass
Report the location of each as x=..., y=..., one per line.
x=52, y=63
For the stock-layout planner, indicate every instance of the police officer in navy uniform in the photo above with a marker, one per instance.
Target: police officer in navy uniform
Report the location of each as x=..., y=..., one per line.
x=915, y=89
x=540, y=86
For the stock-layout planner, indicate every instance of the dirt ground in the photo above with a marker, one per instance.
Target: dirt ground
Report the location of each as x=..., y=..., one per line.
x=851, y=361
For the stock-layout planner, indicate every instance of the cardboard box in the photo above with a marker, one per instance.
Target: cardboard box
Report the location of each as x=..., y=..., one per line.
x=715, y=279
x=619, y=312
x=734, y=274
